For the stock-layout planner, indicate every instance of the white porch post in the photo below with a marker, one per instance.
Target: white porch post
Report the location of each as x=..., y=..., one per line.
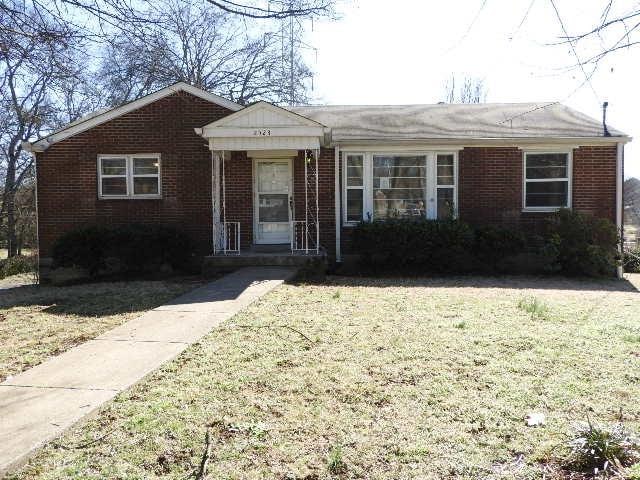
x=215, y=200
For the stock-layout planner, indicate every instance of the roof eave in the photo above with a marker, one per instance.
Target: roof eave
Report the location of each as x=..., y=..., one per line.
x=480, y=141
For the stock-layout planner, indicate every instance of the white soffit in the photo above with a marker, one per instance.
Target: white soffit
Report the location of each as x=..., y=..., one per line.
x=263, y=126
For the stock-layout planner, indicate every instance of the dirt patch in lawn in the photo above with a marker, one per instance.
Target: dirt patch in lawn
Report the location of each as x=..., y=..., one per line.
x=381, y=379
x=37, y=322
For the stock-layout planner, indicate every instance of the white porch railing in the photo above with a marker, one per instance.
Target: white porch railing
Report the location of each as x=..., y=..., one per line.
x=304, y=237
x=228, y=238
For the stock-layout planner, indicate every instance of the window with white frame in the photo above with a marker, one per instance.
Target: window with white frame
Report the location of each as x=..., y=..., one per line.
x=379, y=185
x=129, y=176
x=354, y=187
x=445, y=186
x=399, y=183
x=547, y=180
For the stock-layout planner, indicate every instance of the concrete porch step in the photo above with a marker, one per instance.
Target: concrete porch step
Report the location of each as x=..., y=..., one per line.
x=215, y=263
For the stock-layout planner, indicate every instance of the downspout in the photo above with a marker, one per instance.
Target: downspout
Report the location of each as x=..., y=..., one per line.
x=337, y=195
x=619, y=204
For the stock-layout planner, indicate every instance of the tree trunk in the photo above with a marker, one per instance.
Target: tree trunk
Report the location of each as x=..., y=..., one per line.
x=10, y=206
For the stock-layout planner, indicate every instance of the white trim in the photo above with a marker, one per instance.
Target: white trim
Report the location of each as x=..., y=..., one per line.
x=431, y=184
x=421, y=144
x=619, y=203
x=362, y=188
x=129, y=176
x=99, y=118
x=261, y=105
x=568, y=179
x=256, y=206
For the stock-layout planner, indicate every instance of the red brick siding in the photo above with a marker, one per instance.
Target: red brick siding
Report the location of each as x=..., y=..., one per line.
x=326, y=199
x=594, y=181
x=491, y=186
x=239, y=194
x=67, y=171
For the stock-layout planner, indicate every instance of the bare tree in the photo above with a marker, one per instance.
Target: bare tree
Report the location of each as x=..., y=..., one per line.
x=209, y=49
x=106, y=16
x=469, y=90
x=31, y=68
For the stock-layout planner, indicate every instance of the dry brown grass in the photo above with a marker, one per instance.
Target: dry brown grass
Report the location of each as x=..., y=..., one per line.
x=37, y=322
x=379, y=379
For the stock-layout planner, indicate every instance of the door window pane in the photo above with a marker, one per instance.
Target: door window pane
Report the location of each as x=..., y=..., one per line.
x=273, y=177
x=399, y=186
x=114, y=186
x=355, y=205
x=273, y=208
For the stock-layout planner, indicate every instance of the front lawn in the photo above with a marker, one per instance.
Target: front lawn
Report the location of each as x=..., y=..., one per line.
x=379, y=379
x=37, y=322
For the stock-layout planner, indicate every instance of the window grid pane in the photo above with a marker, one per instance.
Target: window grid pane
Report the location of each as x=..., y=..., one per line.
x=399, y=184
x=546, y=180
x=355, y=205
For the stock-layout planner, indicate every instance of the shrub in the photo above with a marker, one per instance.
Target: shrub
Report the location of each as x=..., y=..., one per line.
x=583, y=244
x=123, y=249
x=16, y=265
x=602, y=448
x=494, y=244
x=436, y=246
x=632, y=261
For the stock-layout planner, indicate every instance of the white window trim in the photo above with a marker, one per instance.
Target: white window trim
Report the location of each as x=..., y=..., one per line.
x=431, y=187
x=568, y=179
x=362, y=188
x=129, y=175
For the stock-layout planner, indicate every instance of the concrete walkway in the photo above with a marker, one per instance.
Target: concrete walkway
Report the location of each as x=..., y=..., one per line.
x=39, y=404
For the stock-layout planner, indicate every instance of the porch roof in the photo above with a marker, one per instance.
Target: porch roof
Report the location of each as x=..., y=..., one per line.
x=263, y=126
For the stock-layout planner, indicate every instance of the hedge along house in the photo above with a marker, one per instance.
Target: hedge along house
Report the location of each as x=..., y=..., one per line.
x=266, y=183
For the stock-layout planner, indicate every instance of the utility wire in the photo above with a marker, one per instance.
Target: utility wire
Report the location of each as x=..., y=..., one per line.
x=575, y=53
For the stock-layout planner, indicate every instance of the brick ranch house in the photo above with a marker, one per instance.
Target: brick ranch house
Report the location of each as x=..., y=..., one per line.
x=236, y=178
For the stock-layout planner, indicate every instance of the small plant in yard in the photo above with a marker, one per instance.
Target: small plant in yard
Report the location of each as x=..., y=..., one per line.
x=461, y=325
x=602, y=449
x=335, y=462
x=532, y=305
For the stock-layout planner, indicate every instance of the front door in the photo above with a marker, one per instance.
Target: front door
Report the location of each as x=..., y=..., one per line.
x=272, y=194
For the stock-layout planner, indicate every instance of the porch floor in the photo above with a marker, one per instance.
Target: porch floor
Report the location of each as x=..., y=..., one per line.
x=262, y=255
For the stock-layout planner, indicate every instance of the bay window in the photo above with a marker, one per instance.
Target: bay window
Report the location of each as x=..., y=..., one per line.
x=398, y=185
x=129, y=176
x=547, y=181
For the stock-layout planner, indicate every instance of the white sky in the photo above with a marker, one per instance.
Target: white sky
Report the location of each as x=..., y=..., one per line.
x=403, y=51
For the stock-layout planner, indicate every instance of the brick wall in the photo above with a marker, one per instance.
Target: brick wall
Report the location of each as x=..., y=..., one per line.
x=491, y=187
x=490, y=179
x=67, y=171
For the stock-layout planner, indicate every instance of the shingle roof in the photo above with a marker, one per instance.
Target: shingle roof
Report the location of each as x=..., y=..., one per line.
x=455, y=121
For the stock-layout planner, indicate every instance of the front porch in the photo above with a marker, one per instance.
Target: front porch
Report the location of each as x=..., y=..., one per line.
x=265, y=177
x=263, y=255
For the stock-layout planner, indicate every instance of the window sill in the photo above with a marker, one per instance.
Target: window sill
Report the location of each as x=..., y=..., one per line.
x=542, y=209
x=130, y=197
